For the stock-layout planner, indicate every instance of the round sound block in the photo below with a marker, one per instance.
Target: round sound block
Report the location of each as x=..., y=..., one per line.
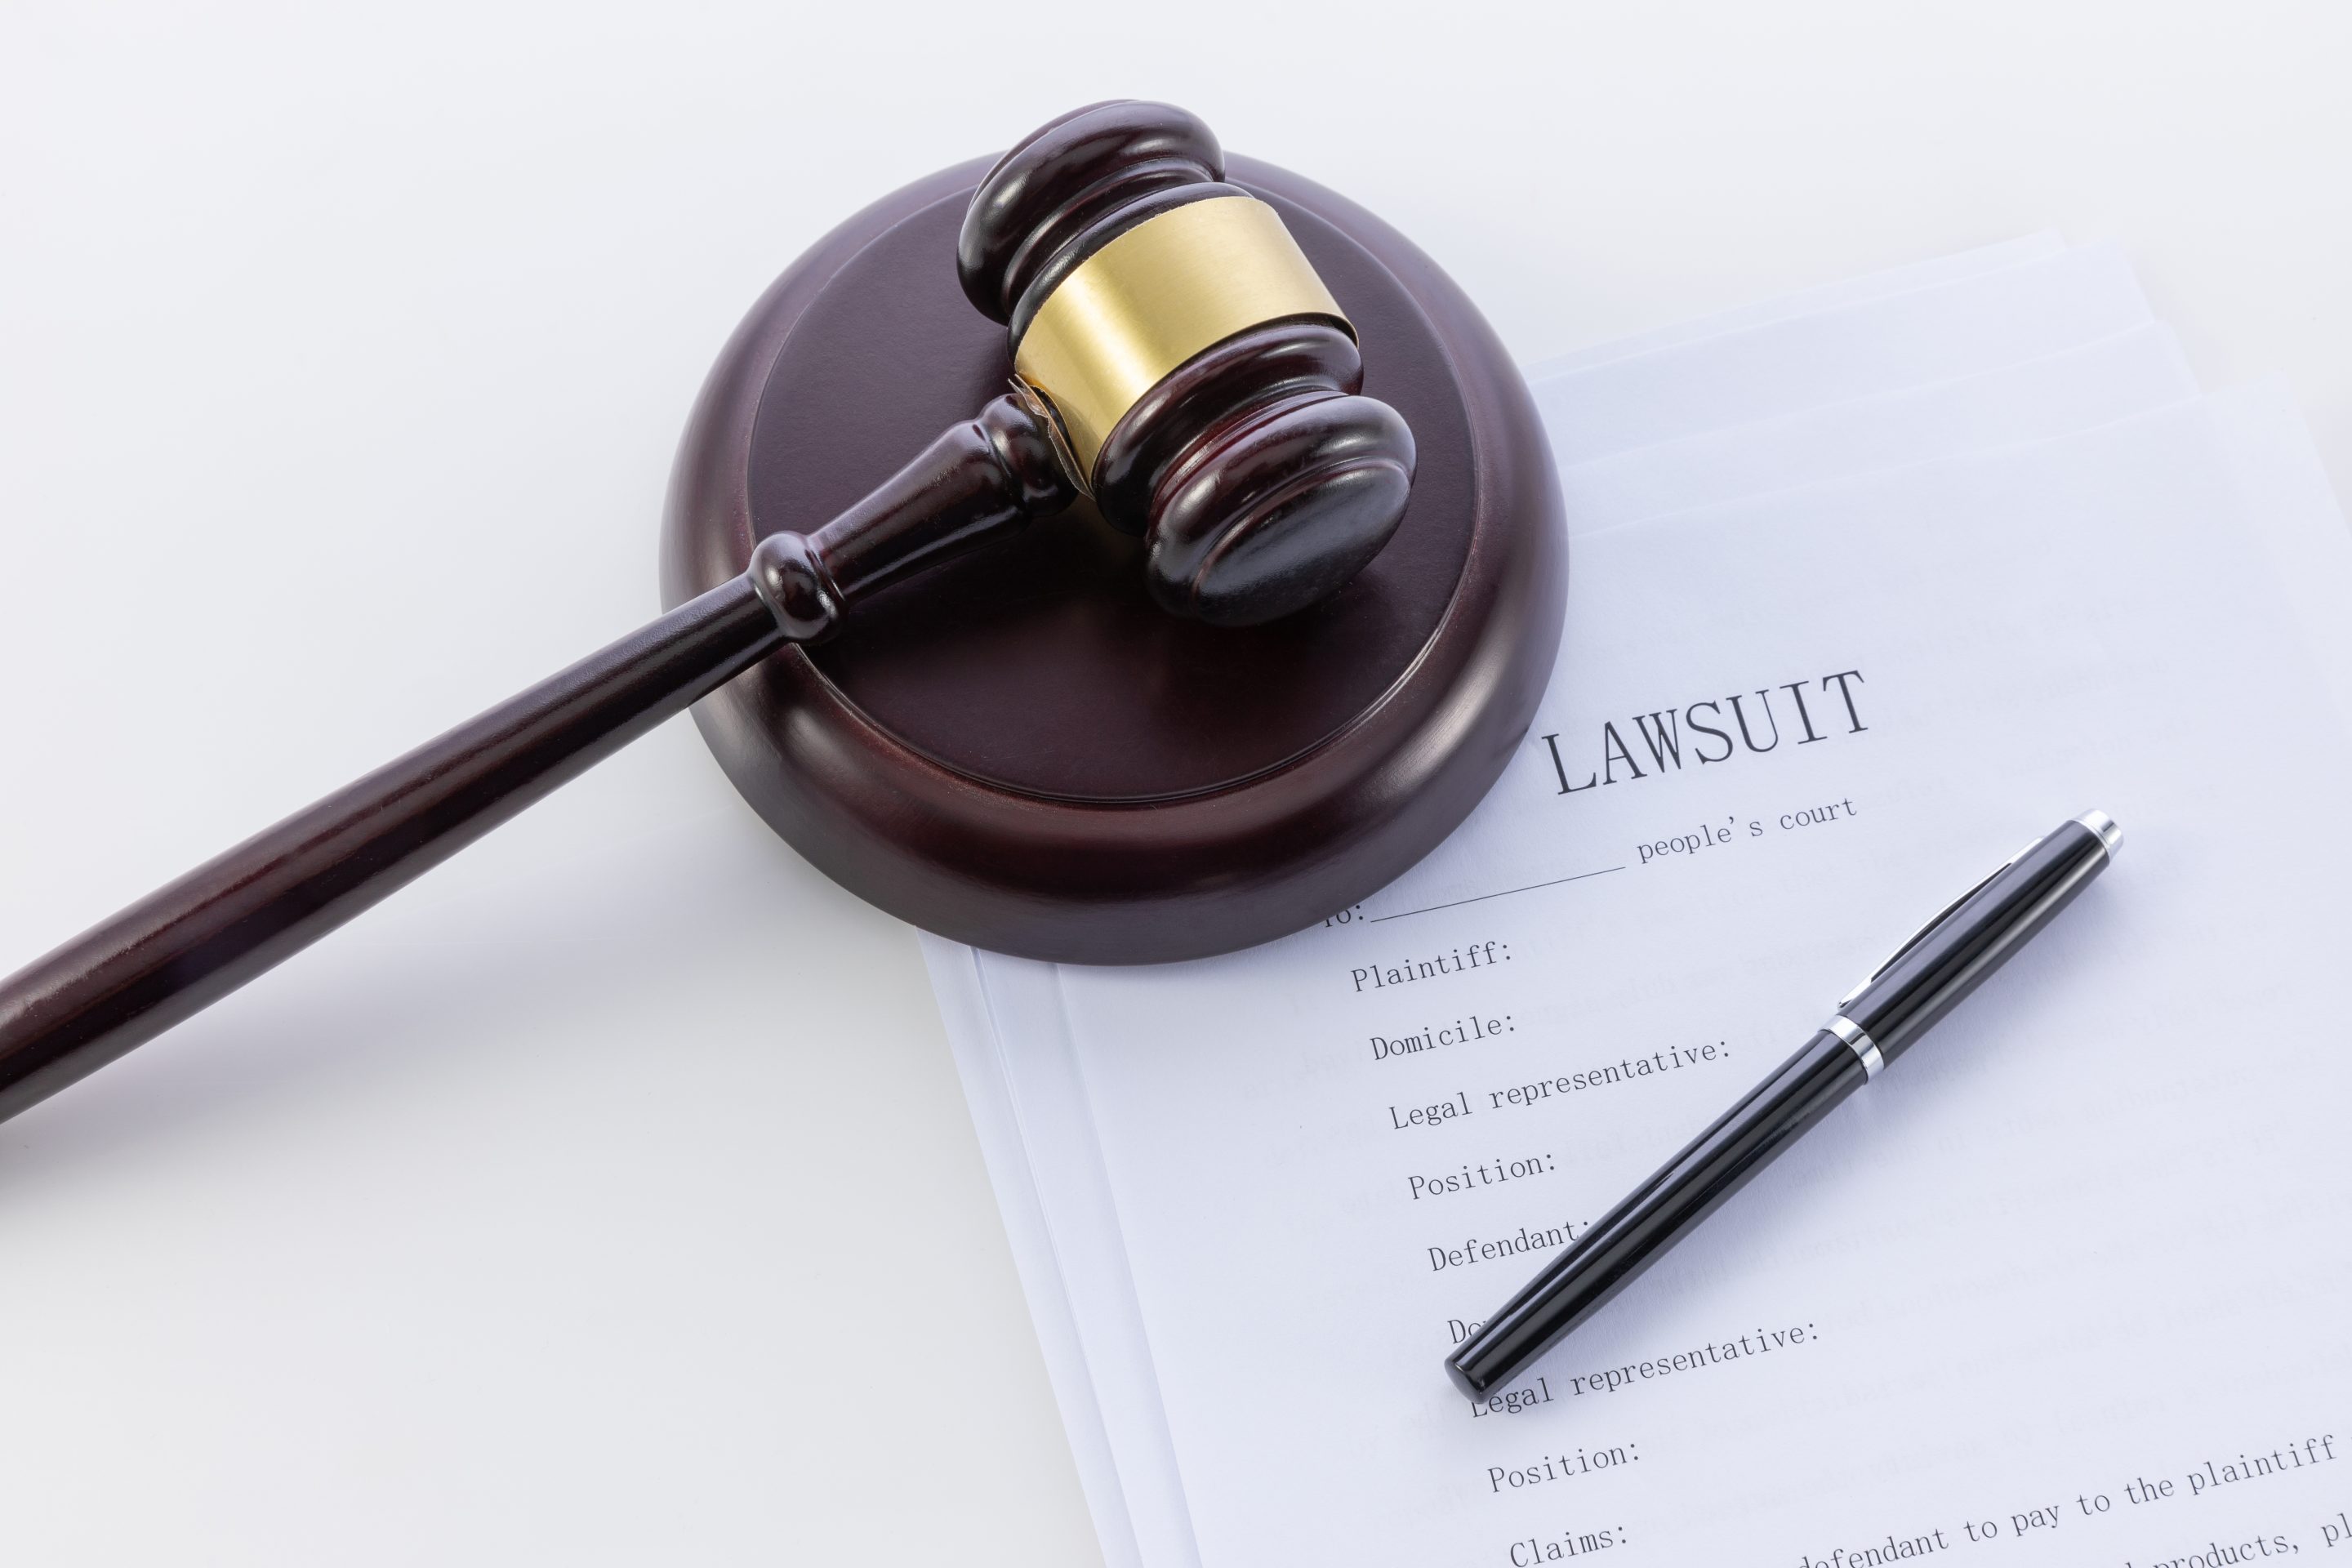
x=1018, y=749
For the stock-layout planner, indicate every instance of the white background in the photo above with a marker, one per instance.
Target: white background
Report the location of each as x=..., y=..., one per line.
x=609, y=1196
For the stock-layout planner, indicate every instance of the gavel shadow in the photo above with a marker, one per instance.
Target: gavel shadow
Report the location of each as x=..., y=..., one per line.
x=546, y=971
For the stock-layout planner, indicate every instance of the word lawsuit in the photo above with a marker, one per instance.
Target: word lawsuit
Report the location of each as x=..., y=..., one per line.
x=1698, y=733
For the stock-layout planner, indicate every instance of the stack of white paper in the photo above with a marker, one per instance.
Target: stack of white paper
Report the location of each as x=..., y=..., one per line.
x=1870, y=586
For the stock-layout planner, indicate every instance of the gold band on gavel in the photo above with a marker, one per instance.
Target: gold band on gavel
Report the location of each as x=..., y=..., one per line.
x=1153, y=297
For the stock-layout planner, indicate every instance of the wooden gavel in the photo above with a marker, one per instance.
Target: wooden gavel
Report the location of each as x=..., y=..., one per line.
x=1176, y=358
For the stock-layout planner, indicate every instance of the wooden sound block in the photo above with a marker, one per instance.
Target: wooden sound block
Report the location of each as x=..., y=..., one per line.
x=1018, y=749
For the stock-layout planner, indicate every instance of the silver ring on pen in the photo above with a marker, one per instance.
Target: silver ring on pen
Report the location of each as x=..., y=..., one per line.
x=1846, y=1029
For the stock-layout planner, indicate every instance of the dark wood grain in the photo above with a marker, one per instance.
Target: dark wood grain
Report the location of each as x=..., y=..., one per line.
x=1054, y=195
x=981, y=479
x=187, y=945
x=1258, y=477
x=1025, y=752
x=192, y=942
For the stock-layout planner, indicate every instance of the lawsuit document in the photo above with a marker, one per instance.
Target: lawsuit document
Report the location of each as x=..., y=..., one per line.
x=2065, y=1285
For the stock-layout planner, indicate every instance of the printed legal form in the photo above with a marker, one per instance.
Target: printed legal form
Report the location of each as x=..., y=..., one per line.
x=2067, y=1288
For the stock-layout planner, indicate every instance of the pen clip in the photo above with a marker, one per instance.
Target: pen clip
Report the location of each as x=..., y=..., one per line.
x=1939, y=917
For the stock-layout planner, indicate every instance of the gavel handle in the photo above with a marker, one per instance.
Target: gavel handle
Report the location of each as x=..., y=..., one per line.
x=188, y=944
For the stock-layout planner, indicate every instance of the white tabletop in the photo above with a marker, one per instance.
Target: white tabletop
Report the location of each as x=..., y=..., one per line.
x=608, y=1197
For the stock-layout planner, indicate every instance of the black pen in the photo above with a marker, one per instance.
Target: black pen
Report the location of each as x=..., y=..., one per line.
x=1874, y=1024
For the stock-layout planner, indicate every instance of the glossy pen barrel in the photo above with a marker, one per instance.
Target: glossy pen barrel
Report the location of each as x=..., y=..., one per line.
x=1685, y=1191
x=1928, y=975
x=1937, y=970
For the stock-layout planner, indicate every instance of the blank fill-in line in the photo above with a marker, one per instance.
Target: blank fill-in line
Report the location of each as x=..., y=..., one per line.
x=1482, y=898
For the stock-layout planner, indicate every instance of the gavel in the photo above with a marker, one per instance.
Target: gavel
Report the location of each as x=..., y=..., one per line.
x=1176, y=359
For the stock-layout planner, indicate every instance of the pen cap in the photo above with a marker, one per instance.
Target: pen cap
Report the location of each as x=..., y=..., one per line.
x=1956, y=954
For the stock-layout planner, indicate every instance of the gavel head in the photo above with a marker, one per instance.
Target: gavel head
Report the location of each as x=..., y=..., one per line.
x=1196, y=377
